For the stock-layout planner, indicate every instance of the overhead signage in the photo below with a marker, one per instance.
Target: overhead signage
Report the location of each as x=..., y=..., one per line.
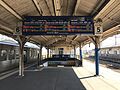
x=57, y=25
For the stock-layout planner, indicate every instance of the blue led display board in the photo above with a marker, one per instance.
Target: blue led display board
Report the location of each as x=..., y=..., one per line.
x=57, y=25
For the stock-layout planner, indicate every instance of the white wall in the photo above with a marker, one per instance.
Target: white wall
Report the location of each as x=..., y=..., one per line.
x=66, y=50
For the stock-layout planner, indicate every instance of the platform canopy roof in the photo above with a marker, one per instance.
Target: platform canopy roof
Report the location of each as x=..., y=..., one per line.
x=12, y=11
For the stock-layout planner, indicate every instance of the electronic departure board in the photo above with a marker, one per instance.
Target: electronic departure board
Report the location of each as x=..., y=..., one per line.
x=57, y=25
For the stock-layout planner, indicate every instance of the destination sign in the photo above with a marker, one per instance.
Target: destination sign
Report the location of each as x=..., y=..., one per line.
x=57, y=25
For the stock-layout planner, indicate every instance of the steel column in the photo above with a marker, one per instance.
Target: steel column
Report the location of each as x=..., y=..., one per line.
x=47, y=52
x=40, y=54
x=96, y=41
x=81, y=53
x=97, y=55
x=97, y=60
x=50, y=53
x=74, y=52
x=15, y=54
x=8, y=52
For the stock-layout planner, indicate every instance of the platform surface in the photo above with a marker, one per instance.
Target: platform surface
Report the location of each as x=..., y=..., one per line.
x=51, y=78
x=108, y=79
x=63, y=78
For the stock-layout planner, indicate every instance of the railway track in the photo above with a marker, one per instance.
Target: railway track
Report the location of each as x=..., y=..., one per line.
x=108, y=64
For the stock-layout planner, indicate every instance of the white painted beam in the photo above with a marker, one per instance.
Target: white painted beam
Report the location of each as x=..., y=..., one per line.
x=8, y=8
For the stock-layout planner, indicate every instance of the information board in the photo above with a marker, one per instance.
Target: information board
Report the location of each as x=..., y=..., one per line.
x=57, y=25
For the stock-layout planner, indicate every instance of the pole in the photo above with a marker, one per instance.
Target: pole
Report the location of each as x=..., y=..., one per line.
x=21, y=61
x=47, y=52
x=96, y=56
x=15, y=54
x=8, y=52
x=81, y=55
x=74, y=52
x=40, y=56
x=21, y=40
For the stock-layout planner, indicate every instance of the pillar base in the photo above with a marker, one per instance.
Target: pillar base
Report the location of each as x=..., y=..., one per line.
x=21, y=75
x=96, y=75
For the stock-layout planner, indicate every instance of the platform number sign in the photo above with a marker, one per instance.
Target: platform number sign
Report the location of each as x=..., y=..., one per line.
x=18, y=29
x=98, y=27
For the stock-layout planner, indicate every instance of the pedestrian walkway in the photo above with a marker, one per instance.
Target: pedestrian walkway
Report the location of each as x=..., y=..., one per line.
x=50, y=78
x=108, y=79
x=63, y=78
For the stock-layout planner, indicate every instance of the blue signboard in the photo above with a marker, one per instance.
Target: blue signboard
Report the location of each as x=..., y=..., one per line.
x=57, y=25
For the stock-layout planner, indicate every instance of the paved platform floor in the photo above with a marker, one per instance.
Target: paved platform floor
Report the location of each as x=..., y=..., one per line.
x=108, y=79
x=64, y=78
x=45, y=79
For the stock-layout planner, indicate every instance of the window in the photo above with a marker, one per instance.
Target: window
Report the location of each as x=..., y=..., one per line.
x=115, y=52
x=3, y=52
x=60, y=51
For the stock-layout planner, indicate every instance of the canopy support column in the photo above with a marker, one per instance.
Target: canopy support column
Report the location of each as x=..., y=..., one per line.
x=96, y=41
x=74, y=52
x=40, y=55
x=97, y=54
x=47, y=52
x=80, y=46
x=21, y=40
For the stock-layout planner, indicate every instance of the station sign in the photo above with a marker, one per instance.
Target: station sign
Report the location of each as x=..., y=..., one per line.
x=57, y=25
x=98, y=27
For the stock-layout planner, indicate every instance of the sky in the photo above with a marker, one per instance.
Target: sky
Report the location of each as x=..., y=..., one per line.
x=109, y=42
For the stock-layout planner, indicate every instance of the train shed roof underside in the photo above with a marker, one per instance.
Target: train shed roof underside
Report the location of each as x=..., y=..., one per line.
x=12, y=11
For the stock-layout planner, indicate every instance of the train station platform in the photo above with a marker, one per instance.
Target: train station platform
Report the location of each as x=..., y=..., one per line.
x=63, y=78
x=108, y=79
